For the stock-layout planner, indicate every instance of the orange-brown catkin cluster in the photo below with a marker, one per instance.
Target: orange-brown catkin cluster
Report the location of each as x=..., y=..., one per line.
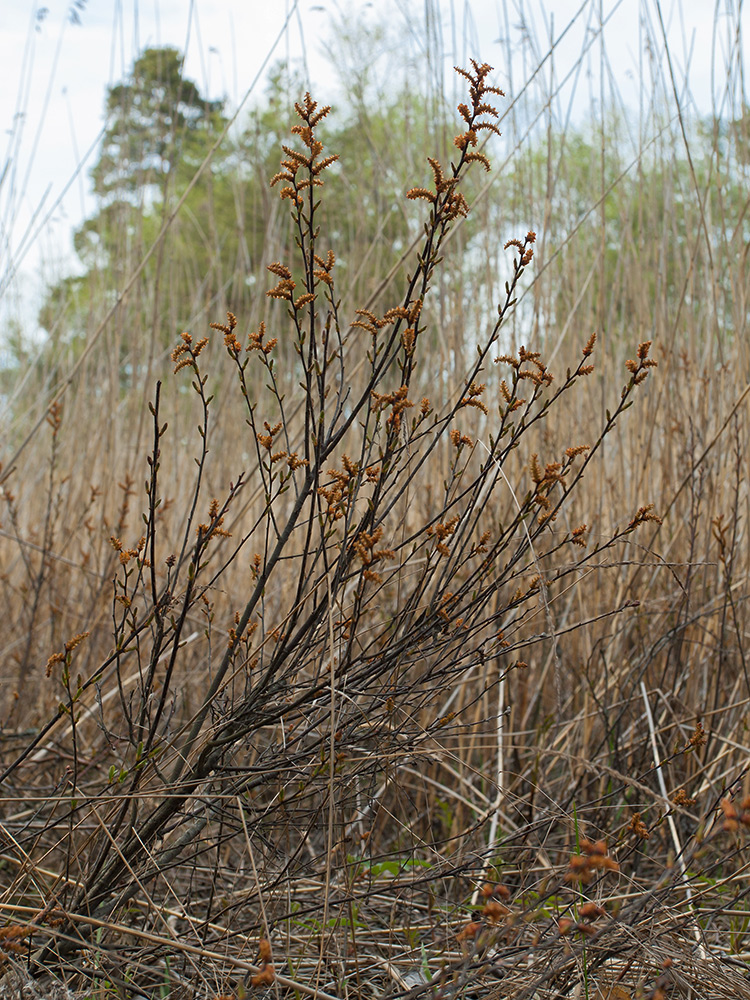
x=448, y=202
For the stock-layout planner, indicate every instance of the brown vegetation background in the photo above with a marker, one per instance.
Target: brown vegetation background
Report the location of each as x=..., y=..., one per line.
x=260, y=732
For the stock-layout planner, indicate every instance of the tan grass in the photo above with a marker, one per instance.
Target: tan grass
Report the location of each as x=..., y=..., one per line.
x=396, y=719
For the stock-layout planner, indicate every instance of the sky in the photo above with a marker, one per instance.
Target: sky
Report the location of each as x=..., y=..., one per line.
x=58, y=58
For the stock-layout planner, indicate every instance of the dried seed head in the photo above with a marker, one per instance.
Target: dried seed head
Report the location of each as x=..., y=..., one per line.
x=638, y=827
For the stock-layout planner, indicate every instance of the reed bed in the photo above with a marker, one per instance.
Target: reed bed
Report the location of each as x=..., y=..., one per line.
x=383, y=634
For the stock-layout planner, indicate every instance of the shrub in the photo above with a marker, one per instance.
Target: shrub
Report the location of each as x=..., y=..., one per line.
x=272, y=776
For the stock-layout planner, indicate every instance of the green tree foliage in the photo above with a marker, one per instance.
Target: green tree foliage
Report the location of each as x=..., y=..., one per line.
x=156, y=119
x=159, y=129
x=231, y=225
